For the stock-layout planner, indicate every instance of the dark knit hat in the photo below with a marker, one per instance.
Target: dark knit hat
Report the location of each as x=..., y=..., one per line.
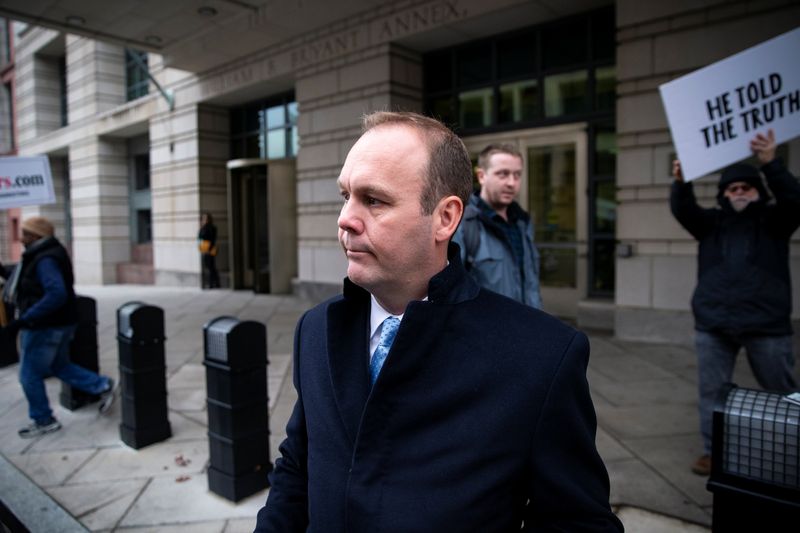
x=742, y=172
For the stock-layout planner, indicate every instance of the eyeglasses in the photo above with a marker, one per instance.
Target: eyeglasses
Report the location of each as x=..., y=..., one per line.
x=744, y=187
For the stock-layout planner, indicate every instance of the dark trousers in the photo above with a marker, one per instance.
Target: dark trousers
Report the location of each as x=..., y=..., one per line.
x=770, y=358
x=210, y=267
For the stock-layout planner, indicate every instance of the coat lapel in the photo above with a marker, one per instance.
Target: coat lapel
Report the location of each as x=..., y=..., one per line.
x=347, y=352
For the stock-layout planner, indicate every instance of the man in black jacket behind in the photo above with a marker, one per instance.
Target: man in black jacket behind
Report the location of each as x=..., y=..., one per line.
x=743, y=296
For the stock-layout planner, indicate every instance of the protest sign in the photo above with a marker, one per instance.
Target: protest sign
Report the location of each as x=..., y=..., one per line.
x=714, y=112
x=25, y=181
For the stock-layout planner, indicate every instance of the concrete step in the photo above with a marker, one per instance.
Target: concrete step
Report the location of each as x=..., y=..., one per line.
x=142, y=253
x=142, y=274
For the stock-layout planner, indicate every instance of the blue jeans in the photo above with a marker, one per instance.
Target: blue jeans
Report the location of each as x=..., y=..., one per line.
x=45, y=353
x=770, y=358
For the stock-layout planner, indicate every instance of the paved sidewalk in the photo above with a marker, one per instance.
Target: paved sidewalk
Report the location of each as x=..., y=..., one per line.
x=644, y=394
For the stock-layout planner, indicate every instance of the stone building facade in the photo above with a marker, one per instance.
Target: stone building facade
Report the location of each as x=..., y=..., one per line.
x=265, y=127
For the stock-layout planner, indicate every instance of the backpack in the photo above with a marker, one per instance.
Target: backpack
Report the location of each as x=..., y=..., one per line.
x=472, y=240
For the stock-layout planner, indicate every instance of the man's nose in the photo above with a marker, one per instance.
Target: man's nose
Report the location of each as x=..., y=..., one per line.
x=349, y=220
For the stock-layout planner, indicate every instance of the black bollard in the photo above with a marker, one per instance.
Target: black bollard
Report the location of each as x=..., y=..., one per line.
x=142, y=374
x=82, y=352
x=8, y=345
x=238, y=407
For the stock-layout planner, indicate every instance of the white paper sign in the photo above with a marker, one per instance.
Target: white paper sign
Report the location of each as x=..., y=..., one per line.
x=25, y=181
x=716, y=111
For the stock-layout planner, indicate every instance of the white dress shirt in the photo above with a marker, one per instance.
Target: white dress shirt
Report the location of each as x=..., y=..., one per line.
x=377, y=314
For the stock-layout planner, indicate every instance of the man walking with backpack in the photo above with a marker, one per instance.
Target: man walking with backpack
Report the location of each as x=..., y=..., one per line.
x=496, y=234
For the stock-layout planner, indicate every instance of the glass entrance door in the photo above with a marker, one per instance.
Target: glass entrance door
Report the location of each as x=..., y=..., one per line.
x=551, y=197
x=554, y=180
x=247, y=182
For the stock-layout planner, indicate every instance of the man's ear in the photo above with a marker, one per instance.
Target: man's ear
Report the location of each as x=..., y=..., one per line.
x=447, y=216
x=480, y=174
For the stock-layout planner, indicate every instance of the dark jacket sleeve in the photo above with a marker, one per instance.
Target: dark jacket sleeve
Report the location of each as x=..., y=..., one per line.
x=787, y=194
x=55, y=291
x=569, y=483
x=695, y=219
x=286, y=510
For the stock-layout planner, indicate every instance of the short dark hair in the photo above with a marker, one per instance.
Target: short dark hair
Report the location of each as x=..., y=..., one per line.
x=449, y=169
x=487, y=153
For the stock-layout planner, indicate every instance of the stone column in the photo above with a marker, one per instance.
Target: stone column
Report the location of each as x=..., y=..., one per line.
x=188, y=151
x=95, y=77
x=100, y=222
x=37, y=84
x=331, y=99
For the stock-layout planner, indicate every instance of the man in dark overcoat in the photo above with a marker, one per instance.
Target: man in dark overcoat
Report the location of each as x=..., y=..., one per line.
x=426, y=403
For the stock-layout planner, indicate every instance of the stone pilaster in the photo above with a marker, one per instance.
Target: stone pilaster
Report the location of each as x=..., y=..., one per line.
x=99, y=201
x=331, y=99
x=95, y=77
x=37, y=84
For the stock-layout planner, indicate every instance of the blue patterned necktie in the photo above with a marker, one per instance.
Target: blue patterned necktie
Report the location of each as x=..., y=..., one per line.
x=388, y=332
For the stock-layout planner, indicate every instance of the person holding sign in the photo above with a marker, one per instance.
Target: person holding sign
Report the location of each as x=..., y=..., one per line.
x=743, y=295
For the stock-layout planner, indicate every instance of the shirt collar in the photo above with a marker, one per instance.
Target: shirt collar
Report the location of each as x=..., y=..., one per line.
x=377, y=314
x=511, y=212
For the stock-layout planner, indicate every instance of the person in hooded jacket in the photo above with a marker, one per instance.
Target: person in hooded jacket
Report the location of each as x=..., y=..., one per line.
x=743, y=297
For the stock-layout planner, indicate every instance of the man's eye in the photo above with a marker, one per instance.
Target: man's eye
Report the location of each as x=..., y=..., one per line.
x=345, y=196
x=373, y=201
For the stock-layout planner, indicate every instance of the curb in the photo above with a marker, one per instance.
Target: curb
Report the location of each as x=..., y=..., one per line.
x=24, y=504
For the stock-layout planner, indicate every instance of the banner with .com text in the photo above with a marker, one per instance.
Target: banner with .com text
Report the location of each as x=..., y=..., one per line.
x=25, y=181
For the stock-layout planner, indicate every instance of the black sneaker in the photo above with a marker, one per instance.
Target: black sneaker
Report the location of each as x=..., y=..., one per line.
x=107, y=397
x=35, y=429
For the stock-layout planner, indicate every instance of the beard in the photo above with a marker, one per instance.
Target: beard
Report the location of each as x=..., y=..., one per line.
x=739, y=204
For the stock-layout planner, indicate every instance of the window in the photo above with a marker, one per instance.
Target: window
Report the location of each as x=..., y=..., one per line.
x=519, y=101
x=142, y=172
x=6, y=120
x=552, y=174
x=5, y=41
x=265, y=129
x=561, y=71
x=475, y=108
x=602, y=209
x=565, y=94
x=136, y=78
x=62, y=91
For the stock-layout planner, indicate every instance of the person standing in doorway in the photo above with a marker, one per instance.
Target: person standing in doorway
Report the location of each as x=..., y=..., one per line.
x=42, y=289
x=496, y=234
x=207, y=241
x=743, y=297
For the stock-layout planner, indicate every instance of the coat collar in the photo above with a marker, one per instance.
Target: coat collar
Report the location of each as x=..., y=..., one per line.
x=451, y=285
x=420, y=330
